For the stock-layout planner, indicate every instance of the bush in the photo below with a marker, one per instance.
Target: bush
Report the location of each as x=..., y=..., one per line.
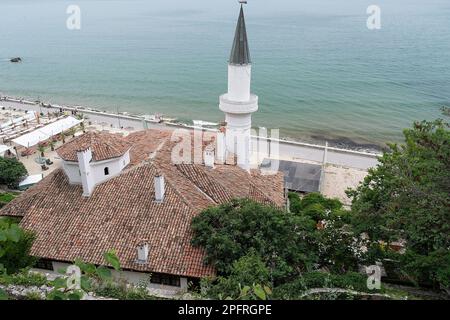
x=24, y=278
x=312, y=280
x=121, y=291
x=15, y=245
x=245, y=272
x=12, y=172
x=231, y=231
x=406, y=198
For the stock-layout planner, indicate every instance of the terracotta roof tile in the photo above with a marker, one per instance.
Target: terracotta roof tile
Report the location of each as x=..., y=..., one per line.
x=103, y=146
x=122, y=211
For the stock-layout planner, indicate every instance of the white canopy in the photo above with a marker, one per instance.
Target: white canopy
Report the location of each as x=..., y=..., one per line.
x=45, y=133
x=3, y=149
x=30, y=115
x=30, y=180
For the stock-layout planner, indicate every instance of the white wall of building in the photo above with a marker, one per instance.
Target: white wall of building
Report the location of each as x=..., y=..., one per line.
x=97, y=169
x=133, y=277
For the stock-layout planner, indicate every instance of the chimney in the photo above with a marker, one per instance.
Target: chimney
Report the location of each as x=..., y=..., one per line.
x=209, y=158
x=159, y=188
x=87, y=177
x=220, y=147
x=142, y=251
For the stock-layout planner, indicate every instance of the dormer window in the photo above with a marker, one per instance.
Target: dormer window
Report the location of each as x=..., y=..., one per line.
x=106, y=171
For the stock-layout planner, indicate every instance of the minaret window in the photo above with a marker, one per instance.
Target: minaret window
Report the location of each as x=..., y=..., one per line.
x=106, y=171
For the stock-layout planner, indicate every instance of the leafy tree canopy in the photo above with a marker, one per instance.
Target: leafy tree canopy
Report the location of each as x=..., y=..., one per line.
x=11, y=171
x=406, y=197
x=15, y=245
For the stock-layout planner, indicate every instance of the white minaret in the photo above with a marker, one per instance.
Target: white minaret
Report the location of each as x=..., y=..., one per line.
x=239, y=103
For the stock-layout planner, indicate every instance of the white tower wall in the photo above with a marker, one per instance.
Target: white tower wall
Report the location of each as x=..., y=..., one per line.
x=239, y=81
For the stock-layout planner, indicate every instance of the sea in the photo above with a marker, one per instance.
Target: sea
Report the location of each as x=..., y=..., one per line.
x=320, y=73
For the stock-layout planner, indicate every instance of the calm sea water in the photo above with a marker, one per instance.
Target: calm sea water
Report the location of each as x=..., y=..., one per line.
x=319, y=72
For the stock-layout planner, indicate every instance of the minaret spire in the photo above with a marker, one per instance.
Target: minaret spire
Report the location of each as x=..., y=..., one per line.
x=240, y=54
x=238, y=103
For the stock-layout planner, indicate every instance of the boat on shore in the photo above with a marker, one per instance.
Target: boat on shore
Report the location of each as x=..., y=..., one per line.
x=201, y=123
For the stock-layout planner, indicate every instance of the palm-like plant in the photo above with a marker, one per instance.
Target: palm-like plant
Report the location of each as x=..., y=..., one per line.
x=52, y=144
x=41, y=149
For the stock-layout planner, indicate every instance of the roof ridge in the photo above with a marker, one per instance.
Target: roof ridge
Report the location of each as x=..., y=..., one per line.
x=169, y=182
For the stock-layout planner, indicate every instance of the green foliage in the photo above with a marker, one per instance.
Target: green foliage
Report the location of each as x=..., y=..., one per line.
x=15, y=245
x=24, y=278
x=406, y=197
x=231, y=231
x=98, y=279
x=247, y=272
x=430, y=269
x=111, y=258
x=11, y=172
x=313, y=280
x=251, y=244
x=41, y=148
x=6, y=198
x=122, y=291
x=3, y=295
x=33, y=295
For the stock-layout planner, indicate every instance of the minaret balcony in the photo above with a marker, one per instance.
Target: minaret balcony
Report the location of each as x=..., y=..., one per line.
x=238, y=107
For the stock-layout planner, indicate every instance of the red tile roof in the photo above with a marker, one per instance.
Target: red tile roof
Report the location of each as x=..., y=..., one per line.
x=122, y=211
x=103, y=146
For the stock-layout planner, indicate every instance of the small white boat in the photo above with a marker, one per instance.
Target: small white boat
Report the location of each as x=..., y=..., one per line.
x=151, y=118
x=201, y=123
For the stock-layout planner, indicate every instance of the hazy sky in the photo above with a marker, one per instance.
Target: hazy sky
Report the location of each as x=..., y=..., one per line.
x=255, y=7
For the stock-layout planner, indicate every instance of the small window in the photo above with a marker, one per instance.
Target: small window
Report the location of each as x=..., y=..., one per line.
x=106, y=171
x=165, y=279
x=44, y=264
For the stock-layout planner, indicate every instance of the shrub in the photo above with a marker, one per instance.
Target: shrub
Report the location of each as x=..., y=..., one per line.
x=245, y=272
x=24, y=278
x=12, y=172
x=15, y=245
x=311, y=280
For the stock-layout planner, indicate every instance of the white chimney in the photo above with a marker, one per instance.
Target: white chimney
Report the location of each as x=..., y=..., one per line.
x=220, y=147
x=159, y=188
x=87, y=177
x=209, y=158
x=142, y=251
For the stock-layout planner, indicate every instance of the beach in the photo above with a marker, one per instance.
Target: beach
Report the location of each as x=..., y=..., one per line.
x=342, y=168
x=321, y=75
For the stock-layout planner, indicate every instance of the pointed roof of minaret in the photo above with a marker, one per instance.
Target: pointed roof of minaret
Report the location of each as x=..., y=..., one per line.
x=240, y=53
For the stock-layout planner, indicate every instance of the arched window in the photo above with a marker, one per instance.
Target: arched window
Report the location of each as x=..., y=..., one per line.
x=106, y=171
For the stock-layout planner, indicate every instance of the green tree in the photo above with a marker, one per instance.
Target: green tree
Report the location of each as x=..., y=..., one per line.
x=407, y=197
x=11, y=172
x=231, y=231
x=15, y=245
x=41, y=148
x=245, y=273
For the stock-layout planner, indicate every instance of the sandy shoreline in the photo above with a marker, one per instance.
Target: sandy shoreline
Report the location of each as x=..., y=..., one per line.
x=292, y=150
x=341, y=142
x=342, y=168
